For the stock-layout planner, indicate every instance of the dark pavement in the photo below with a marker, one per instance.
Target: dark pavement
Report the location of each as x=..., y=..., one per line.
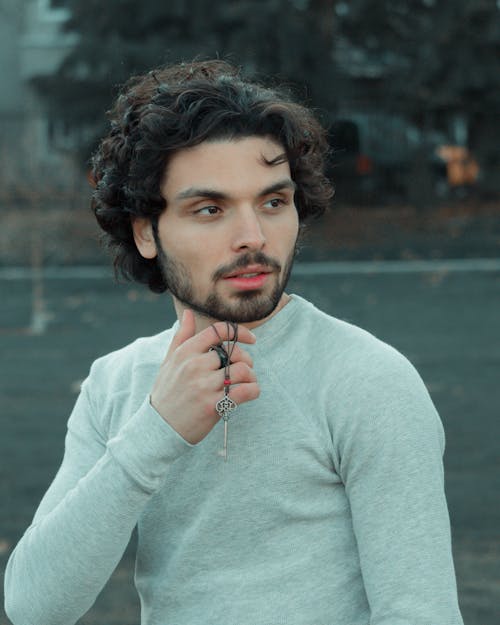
x=446, y=323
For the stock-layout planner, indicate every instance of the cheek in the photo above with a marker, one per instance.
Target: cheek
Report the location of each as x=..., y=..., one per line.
x=290, y=230
x=199, y=256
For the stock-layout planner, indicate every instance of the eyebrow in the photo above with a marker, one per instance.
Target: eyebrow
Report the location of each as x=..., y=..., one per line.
x=213, y=194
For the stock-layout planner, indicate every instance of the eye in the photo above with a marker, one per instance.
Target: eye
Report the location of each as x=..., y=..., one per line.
x=275, y=202
x=208, y=210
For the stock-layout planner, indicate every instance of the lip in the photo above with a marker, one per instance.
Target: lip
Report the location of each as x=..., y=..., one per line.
x=240, y=281
x=260, y=269
x=251, y=284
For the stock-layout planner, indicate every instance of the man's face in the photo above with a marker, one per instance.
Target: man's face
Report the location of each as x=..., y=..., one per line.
x=226, y=240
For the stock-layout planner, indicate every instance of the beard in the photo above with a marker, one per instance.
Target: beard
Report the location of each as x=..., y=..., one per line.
x=245, y=306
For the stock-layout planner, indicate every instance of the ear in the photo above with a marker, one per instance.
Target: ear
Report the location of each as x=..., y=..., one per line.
x=143, y=237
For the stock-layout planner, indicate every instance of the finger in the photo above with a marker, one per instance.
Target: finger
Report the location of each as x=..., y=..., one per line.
x=239, y=373
x=244, y=392
x=241, y=355
x=187, y=330
x=207, y=337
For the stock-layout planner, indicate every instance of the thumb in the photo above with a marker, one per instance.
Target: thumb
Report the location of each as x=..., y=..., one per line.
x=186, y=330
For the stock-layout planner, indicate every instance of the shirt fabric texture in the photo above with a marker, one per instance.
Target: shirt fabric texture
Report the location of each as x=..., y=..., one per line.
x=330, y=509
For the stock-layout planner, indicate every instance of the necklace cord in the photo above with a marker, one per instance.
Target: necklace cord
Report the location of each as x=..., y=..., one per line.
x=229, y=351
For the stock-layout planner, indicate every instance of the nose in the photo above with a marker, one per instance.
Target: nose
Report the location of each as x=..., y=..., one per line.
x=248, y=233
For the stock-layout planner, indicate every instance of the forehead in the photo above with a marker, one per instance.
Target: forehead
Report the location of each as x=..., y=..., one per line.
x=233, y=166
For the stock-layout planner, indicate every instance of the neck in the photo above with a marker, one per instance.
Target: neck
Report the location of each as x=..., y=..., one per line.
x=202, y=322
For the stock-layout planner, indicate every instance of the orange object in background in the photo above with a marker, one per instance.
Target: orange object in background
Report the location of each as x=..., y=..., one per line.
x=461, y=167
x=364, y=165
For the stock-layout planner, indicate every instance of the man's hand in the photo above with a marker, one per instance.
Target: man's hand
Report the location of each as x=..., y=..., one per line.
x=190, y=382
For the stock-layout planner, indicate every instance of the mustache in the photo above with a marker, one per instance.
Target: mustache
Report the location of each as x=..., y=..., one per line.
x=258, y=258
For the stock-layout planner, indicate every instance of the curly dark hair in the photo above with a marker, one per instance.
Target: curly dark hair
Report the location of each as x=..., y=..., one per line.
x=180, y=106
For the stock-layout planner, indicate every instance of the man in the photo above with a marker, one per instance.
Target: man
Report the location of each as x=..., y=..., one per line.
x=319, y=499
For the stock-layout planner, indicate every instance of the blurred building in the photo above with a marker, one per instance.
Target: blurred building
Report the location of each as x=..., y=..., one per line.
x=381, y=141
x=32, y=151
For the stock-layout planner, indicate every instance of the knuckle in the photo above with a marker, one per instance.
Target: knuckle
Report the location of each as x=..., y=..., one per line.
x=201, y=388
x=243, y=356
x=184, y=371
x=239, y=369
x=191, y=367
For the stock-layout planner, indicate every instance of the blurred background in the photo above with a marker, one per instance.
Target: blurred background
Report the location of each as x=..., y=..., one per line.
x=410, y=94
x=409, y=90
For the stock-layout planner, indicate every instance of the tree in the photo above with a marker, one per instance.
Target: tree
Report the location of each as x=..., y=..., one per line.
x=121, y=37
x=433, y=62
x=432, y=55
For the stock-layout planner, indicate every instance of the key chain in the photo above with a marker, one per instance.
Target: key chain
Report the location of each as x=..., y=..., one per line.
x=226, y=405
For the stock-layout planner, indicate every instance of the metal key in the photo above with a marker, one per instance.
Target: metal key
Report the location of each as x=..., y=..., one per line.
x=224, y=407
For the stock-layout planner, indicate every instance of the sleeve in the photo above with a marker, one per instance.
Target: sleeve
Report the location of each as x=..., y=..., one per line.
x=391, y=464
x=86, y=518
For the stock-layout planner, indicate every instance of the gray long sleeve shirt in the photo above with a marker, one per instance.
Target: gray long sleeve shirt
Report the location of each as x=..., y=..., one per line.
x=329, y=511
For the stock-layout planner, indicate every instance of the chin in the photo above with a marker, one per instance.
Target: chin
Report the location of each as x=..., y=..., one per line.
x=250, y=309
